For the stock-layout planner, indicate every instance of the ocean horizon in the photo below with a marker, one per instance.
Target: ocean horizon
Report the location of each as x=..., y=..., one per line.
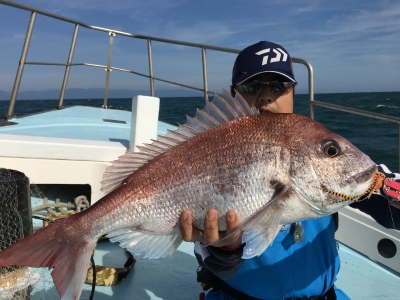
x=376, y=138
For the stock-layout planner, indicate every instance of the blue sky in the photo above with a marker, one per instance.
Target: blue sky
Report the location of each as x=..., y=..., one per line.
x=353, y=46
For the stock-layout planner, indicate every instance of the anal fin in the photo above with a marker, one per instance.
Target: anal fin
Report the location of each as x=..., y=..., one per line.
x=141, y=242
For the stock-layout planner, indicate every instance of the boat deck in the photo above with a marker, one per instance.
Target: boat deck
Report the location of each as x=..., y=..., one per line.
x=174, y=277
x=79, y=122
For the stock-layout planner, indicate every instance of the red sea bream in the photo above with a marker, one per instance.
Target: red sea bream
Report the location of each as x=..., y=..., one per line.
x=273, y=169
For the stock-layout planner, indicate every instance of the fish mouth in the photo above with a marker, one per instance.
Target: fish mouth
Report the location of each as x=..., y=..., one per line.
x=365, y=175
x=362, y=177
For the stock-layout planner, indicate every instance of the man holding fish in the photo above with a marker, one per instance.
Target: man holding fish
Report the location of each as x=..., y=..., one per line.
x=302, y=262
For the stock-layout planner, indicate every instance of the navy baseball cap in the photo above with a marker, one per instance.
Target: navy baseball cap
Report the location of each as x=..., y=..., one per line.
x=263, y=57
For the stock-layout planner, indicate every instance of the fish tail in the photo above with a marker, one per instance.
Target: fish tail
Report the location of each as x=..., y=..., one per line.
x=58, y=246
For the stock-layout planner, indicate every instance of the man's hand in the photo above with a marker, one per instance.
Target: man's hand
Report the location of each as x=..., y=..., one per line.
x=211, y=235
x=390, y=186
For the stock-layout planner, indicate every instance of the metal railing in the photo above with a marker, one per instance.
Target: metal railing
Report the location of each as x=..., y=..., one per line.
x=152, y=78
x=109, y=68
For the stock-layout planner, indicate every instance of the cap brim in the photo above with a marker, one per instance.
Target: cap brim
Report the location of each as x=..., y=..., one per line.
x=253, y=73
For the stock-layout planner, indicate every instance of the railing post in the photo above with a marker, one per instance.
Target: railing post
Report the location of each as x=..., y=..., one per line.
x=205, y=79
x=150, y=54
x=310, y=89
x=68, y=68
x=21, y=66
x=108, y=70
x=310, y=83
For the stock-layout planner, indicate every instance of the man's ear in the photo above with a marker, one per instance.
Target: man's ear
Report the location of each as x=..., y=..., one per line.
x=233, y=92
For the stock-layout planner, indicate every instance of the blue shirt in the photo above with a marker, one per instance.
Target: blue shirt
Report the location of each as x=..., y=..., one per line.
x=288, y=270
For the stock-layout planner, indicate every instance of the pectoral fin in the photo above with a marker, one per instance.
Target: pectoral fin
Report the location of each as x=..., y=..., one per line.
x=261, y=229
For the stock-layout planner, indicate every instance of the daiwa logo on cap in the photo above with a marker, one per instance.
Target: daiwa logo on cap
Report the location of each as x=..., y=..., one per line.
x=263, y=57
x=277, y=58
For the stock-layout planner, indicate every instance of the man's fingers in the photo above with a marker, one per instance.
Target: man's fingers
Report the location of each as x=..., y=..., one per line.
x=211, y=227
x=188, y=233
x=232, y=224
x=232, y=221
x=211, y=235
x=185, y=226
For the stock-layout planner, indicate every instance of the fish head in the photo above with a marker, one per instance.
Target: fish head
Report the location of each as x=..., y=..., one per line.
x=327, y=171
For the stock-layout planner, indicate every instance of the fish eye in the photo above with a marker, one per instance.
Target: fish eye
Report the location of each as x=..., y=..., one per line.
x=331, y=149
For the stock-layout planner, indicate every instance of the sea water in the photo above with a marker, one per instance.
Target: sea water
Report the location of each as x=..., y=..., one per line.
x=376, y=138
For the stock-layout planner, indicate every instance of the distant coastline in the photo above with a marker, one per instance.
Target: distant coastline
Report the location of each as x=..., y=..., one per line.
x=97, y=93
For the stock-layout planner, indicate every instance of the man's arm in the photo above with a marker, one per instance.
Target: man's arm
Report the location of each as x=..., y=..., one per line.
x=223, y=262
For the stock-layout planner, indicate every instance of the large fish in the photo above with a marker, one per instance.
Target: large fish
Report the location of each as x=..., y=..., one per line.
x=273, y=169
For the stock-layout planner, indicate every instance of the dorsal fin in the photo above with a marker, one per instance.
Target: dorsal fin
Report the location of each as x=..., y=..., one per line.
x=222, y=109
